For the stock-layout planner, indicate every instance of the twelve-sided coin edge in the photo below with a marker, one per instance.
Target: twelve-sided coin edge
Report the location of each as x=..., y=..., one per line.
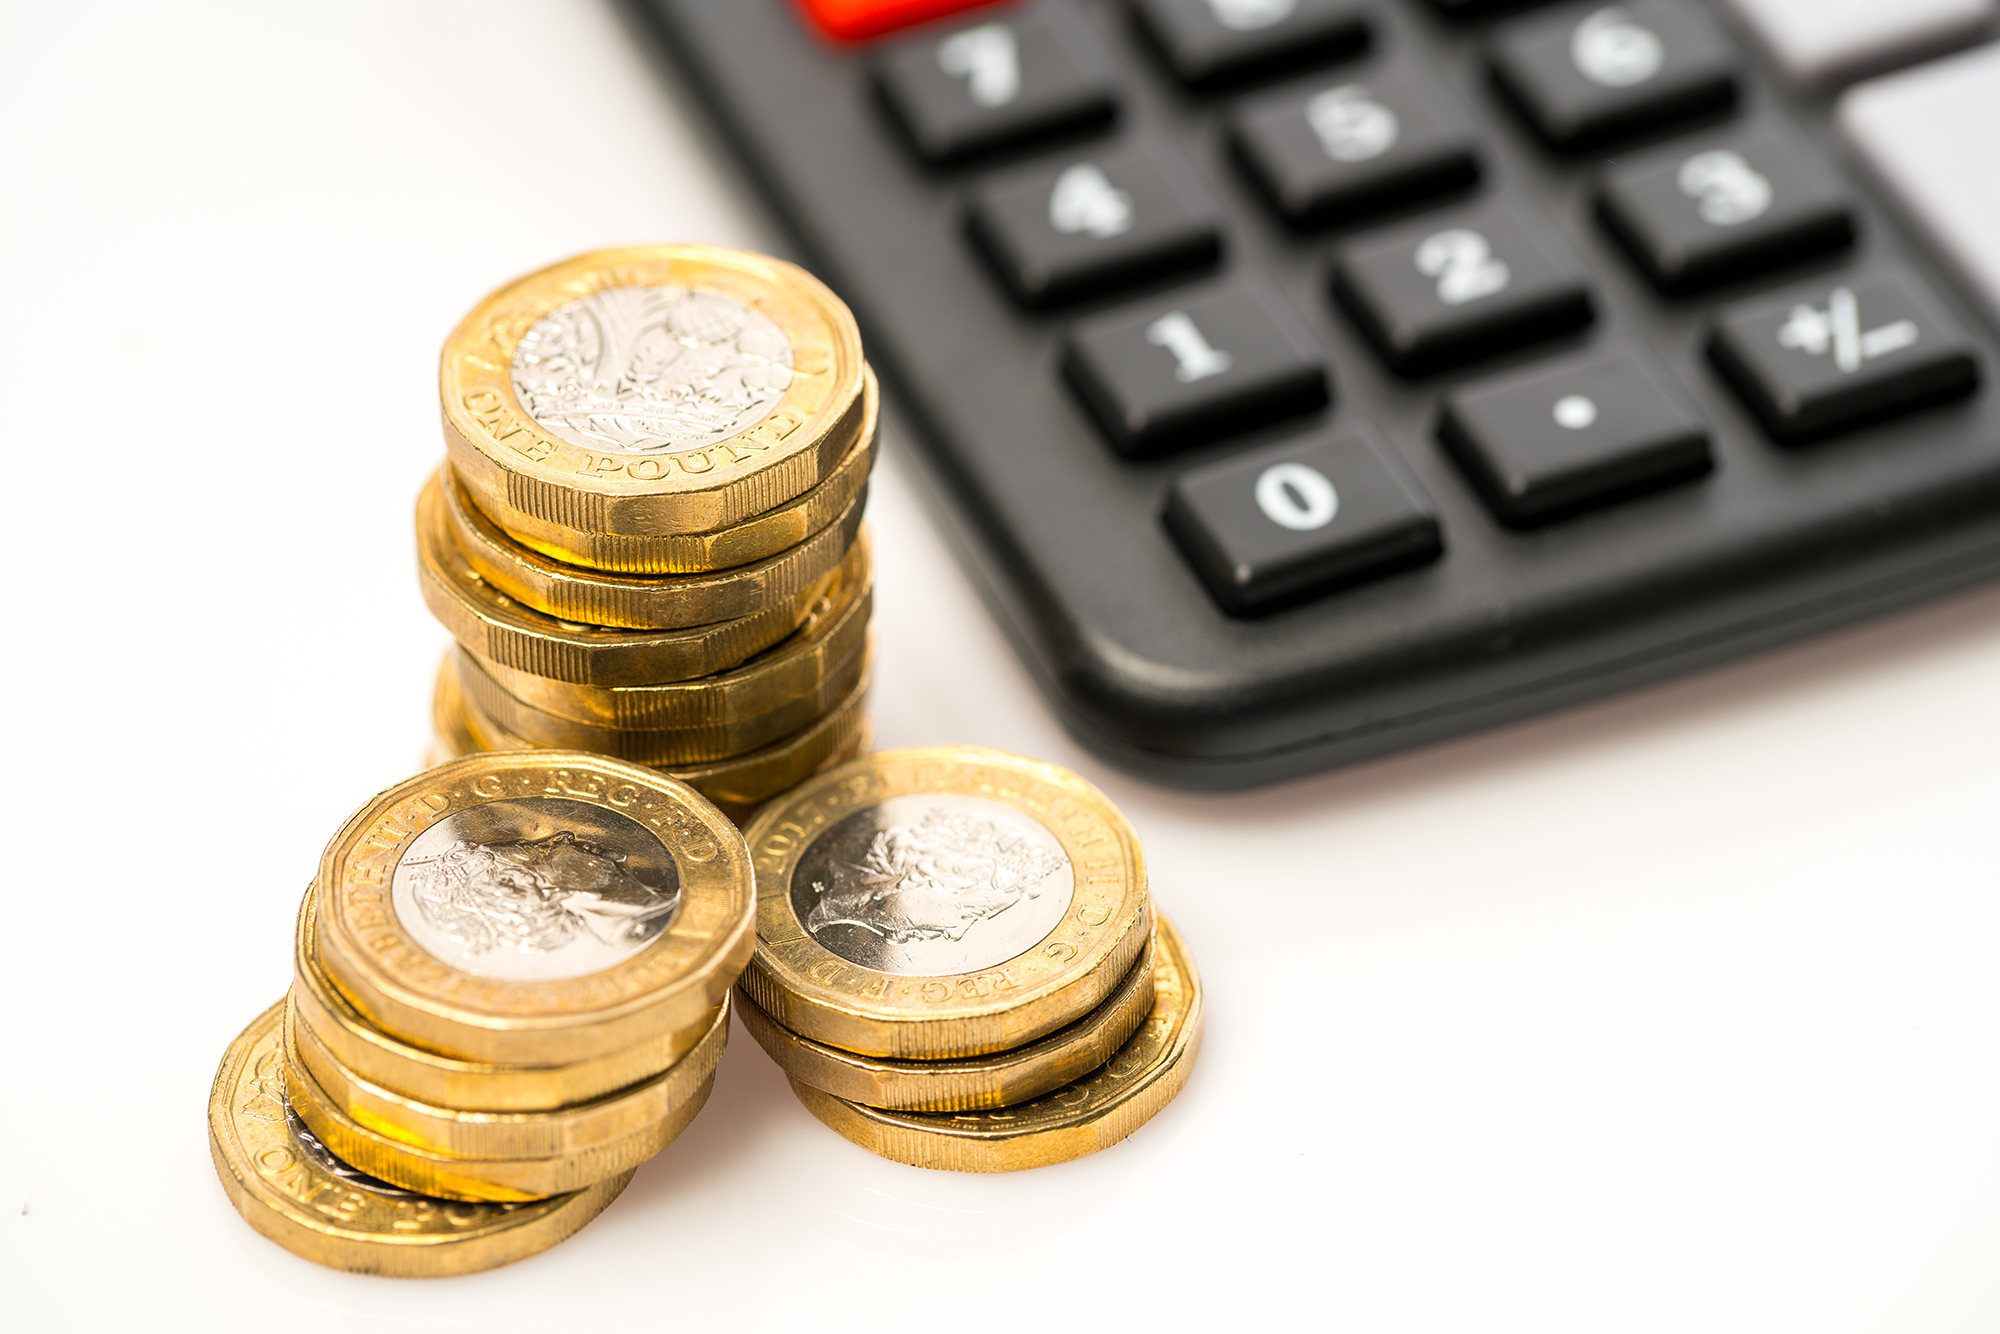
x=816, y=993
x=673, y=982
x=510, y=460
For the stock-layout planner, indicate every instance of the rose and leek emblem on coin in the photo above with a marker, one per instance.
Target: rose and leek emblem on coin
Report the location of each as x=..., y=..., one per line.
x=515, y=974
x=643, y=369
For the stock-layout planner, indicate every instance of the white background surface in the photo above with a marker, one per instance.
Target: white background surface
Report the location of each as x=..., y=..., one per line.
x=1675, y=1013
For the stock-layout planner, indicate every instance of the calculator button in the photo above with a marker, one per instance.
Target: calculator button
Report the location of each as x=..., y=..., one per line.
x=1825, y=43
x=1447, y=290
x=1554, y=441
x=1203, y=366
x=1265, y=528
x=1211, y=42
x=1706, y=212
x=1932, y=136
x=1080, y=225
x=994, y=84
x=1584, y=77
x=857, y=20
x=1835, y=353
x=1345, y=148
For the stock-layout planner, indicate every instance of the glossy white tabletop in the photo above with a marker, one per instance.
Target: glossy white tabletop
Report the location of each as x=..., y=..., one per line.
x=1679, y=1012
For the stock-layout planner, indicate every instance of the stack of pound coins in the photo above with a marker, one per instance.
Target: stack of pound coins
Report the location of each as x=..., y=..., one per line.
x=511, y=986
x=958, y=964
x=647, y=534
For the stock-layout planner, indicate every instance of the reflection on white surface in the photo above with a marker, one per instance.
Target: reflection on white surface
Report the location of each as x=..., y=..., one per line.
x=1672, y=1013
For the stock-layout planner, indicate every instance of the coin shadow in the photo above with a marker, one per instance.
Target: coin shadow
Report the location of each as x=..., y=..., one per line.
x=857, y=1200
x=746, y=1111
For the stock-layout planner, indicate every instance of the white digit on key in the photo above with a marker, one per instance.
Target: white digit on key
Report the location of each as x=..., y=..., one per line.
x=1250, y=15
x=1085, y=202
x=1296, y=497
x=1612, y=51
x=1351, y=125
x=1462, y=262
x=1194, y=359
x=1728, y=190
x=988, y=59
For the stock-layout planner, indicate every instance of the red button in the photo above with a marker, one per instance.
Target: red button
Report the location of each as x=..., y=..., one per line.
x=855, y=20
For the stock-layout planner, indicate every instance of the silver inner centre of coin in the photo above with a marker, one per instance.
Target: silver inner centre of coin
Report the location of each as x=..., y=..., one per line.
x=339, y=1168
x=933, y=884
x=536, y=890
x=641, y=370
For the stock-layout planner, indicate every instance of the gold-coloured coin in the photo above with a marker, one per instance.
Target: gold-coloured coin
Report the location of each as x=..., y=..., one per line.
x=668, y=749
x=534, y=908
x=377, y=1058
x=449, y=1177
x=943, y=902
x=973, y=1083
x=712, y=718
x=561, y=1132
x=743, y=543
x=651, y=390
x=1094, y=1113
x=501, y=630
x=452, y=734
x=291, y=1188
x=732, y=784
x=639, y=602
x=832, y=632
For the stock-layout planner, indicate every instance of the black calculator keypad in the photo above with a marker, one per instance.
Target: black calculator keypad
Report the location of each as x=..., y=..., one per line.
x=1207, y=43
x=1180, y=372
x=1830, y=355
x=1721, y=208
x=1343, y=148
x=1550, y=442
x=1458, y=286
x=1088, y=223
x=992, y=85
x=1510, y=311
x=1310, y=514
x=1586, y=77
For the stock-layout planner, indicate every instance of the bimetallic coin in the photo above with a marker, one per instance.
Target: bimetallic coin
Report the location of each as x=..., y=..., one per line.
x=680, y=746
x=651, y=390
x=754, y=539
x=748, y=780
x=453, y=737
x=938, y=903
x=831, y=629
x=971, y=1083
x=1081, y=1118
x=560, y=1132
x=501, y=630
x=534, y=907
x=774, y=694
x=291, y=1188
x=450, y=1177
x=739, y=784
x=377, y=1058
x=642, y=602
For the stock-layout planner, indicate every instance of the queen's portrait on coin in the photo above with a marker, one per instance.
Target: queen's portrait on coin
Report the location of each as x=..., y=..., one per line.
x=939, y=889
x=537, y=896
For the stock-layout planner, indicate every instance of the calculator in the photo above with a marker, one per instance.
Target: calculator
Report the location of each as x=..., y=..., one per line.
x=1303, y=380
